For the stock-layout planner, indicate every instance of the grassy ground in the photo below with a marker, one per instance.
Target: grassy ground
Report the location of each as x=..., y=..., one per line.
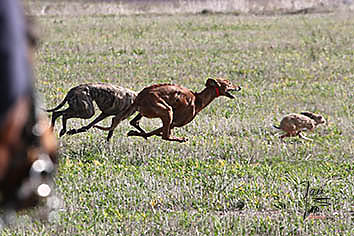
x=128, y=7
x=234, y=176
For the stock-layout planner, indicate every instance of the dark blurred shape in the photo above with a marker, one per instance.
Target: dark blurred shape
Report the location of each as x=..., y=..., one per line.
x=31, y=163
x=27, y=144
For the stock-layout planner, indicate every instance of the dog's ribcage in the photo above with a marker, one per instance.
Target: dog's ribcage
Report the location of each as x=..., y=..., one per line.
x=112, y=99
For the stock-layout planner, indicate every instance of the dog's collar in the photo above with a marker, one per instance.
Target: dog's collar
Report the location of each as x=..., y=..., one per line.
x=217, y=92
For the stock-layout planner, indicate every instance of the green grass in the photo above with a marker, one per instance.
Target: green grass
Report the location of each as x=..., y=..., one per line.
x=234, y=176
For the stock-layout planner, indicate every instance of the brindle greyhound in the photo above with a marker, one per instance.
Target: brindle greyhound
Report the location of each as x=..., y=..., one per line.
x=175, y=105
x=111, y=100
x=293, y=124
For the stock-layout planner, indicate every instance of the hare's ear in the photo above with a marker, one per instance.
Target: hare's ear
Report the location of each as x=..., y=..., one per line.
x=308, y=114
x=212, y=83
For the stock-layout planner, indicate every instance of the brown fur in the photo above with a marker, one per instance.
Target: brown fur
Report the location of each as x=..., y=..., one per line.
x=293, y=124
x=111, y=100
x=175, y=105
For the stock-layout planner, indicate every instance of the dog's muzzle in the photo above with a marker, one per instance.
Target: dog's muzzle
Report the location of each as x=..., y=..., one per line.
x=229, y=95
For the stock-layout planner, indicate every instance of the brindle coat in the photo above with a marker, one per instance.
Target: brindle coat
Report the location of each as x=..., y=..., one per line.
x=293, y=123
x=111, y=100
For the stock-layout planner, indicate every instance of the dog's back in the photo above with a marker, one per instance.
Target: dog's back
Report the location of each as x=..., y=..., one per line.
x=111, y=99
x=174, y=95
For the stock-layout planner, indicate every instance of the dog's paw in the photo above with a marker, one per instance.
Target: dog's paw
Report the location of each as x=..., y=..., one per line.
x=133, y=133
x=175, y=139
x=182, y=140
x=62, y=132
x=72, y=131
x=83, y=129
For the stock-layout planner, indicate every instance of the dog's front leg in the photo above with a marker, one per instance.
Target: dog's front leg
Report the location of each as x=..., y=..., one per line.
x=167, y=127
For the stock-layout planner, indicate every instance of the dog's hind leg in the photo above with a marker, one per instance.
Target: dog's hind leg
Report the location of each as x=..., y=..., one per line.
x=87, y=127
x=135, y=122
x=65, y=115
x=164, y=131
x=64, y=119
x=157, y=132
x=77, y=113
x=55, y=116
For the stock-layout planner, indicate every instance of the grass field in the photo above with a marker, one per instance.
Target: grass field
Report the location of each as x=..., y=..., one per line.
x=234, y=176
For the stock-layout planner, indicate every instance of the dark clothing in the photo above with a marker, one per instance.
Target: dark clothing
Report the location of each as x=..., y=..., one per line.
x=15, y=72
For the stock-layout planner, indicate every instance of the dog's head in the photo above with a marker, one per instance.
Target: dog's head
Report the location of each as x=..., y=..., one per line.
x=223, y=86
x=319, y=119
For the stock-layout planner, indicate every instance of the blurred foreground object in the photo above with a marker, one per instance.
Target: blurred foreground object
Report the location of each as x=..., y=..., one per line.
x=27, y=144
x=27, y=157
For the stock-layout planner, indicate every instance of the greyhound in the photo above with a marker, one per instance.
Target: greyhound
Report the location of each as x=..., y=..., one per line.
x=111, y=100
x=175, y=105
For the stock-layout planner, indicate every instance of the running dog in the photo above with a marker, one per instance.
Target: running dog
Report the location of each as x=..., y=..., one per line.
x=175, y=105
x=111, y=100
x=293, y=124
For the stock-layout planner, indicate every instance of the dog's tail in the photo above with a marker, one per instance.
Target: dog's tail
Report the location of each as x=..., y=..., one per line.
x=102, y=128
x=59, y=106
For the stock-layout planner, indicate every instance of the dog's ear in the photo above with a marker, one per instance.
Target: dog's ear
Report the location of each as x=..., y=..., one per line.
x=212, y=83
